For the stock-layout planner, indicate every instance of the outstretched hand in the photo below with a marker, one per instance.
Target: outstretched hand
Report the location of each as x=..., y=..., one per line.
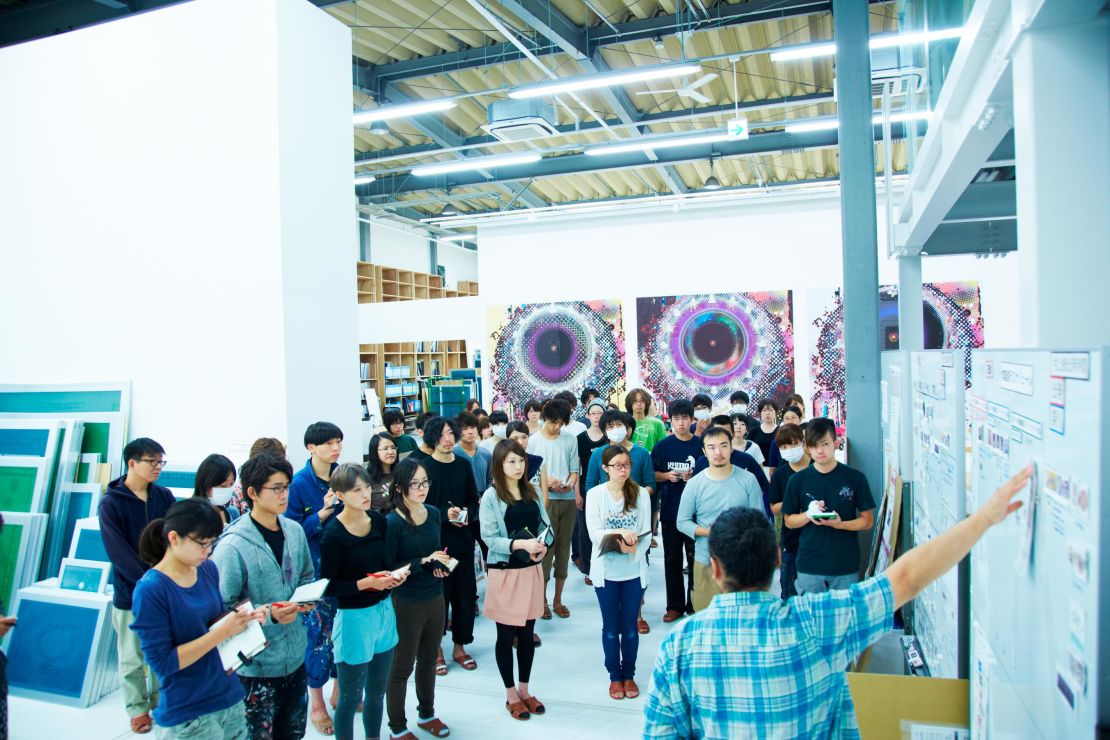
x=1000, y=504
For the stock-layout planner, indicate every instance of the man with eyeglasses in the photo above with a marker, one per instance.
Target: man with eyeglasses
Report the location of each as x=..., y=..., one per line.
x=130, y=503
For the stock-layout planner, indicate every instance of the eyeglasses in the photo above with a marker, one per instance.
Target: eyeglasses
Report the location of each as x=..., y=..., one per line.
x=278, y=489
x=154, y=463
x=620, y=466
x=206, y=546
x=419, y=485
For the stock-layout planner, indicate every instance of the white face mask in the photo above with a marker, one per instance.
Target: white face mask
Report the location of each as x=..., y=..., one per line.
x=616, y=435
x=499, y=429
x=739, y=408
x=701, y=414
x=220, y=496
x=792, y=455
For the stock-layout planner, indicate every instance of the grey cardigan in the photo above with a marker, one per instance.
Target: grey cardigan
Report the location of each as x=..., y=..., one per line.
x=491, y=519
x=248, y=570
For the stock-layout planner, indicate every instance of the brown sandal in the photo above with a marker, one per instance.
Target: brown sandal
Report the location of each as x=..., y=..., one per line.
x=631, y=690
x=435, y=727
x=142, y=724
x=535, y=706
x=616, y=690
x=546, y=612
x=466, y=662
x=518, y=710
x=642, y=627
x=561, y=611
x=441, y=666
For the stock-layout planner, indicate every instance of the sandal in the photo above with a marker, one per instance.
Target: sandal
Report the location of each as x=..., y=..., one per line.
x=441, y=666
x=642, y=627
x=546, y=612
x=561, y=611
x=435, y=727
x=588, y=581
x=671, y=616
x=631, y=690
x=466, y=662
x=323, y=726
x=616, y=690
x=518, y=710
x=142, y=724
x=535, y=706
x=654, y=542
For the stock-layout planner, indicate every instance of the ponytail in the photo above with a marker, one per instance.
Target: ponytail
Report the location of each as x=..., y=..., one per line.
x=191, y=517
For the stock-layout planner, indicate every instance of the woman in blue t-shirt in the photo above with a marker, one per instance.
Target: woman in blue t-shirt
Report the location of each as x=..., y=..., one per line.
x=175, y=603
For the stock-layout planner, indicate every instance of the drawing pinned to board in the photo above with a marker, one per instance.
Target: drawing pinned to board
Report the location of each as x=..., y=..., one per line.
x=716, y=344
x=539, y=349
x=953, y=320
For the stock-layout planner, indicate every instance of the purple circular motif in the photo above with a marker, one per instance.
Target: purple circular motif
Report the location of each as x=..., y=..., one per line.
x=553, y=351
x=718, y=323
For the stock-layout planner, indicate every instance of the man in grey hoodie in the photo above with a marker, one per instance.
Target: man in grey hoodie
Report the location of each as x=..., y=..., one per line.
x=264, y=557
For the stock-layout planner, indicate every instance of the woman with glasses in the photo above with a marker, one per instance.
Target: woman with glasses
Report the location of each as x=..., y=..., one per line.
x=413, y=539
x=512, y=518
x=618, y=513
x=175, y=604
x=353, y=559
x=263, y=557
x=382, y=458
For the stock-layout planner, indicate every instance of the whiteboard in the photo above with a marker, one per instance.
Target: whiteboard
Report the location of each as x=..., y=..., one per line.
x=1037, y=585
x=938, y=421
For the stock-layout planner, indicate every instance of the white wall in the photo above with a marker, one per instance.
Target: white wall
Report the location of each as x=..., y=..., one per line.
x=459, y=263
x=781, y=245
x=422, y=321
x=394, y=245
x=174, y=211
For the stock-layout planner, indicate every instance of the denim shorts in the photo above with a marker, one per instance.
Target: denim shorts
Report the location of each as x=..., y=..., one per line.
x=807, y=583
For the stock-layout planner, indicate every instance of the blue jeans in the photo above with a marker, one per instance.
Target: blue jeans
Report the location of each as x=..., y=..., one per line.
x=807, y=583
x=620, y=605
x=788, y=572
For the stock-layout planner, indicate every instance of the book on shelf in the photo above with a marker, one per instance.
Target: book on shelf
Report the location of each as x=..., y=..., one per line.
x=364, y=370
x=435, y=367
x=420, y=368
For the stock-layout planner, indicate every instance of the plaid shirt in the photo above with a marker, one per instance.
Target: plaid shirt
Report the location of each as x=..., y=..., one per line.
x=753, y=666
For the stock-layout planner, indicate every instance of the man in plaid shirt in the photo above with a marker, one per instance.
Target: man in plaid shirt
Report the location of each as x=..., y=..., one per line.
x=753, y=666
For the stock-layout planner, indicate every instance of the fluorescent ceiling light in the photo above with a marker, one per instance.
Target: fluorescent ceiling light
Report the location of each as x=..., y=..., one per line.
x=401, y=111
x=827, y=124
x=459, y=238
x=364, y=179
x=477, y=163
x=643, y=146
x=808, y=51
x=606, y=80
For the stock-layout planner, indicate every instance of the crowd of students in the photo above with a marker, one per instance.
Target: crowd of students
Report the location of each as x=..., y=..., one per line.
x=395, y=539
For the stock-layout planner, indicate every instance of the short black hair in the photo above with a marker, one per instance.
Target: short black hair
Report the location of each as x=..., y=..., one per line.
x=681, y=407
x=137, y=448
x=212, y=473
x=533, y=404
x=516, y=426
x=765, y=403
x=702, y=400
x=256, y=471
x=480, y=412
x=466, y=420
x=796, y=409
x=569, y=397
x=739, y=397
x=720, y=419
x=422, y=418
x=556, y=410
x=433, y=430
x=588, y=393
x=613, y=416
x=391, y=417
x=742, y=542
x=498, y=417
x=817, y=429
x=716, y=431
x=322, y=432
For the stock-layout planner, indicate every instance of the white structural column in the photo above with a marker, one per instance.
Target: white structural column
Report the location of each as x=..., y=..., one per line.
x=176, y=209
x=911, y=310
x=1061, y=80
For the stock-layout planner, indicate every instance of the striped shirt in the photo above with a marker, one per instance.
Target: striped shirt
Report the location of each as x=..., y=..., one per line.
x=753, y=666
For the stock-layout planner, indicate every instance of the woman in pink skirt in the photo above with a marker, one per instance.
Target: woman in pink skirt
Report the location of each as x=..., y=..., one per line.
x=513, y=520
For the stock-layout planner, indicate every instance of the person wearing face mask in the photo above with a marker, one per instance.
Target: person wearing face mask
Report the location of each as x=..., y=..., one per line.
x=383, y=458
x=499, y=425
x=588, y=441
x=215, y=481
x=738, y=404
x=703, y=413
x=791, y=443
x=649, y=429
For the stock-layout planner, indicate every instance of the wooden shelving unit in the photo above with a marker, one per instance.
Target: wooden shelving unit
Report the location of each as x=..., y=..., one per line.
x=378, y=284
x=395, y=370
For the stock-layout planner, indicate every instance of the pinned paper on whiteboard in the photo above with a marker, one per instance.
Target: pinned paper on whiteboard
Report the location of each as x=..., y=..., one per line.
x=1075, y=365
x=1025, y=519
x=1056, y=419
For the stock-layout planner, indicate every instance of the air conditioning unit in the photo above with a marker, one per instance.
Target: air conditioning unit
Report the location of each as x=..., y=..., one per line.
x=905, y=81
x=521, y=120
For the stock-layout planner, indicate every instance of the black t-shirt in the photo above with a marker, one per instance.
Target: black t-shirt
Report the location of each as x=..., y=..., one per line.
x=452, y=484
x=672, y=453
x=346, y=559
x=762, y=438
x=824, y=551
x=418, y=454
x=586, y=446
x=518, y=516
x=379, y=493
x=408, y=543
x=777, y=492
x=275, y=539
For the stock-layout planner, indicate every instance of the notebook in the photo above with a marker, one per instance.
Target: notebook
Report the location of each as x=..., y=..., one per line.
x=241, y=648
x=610, y=541
x=309, y=592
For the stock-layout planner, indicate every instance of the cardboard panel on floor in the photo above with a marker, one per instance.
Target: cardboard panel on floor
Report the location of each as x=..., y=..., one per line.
x=1038, y=588
x=884, y=702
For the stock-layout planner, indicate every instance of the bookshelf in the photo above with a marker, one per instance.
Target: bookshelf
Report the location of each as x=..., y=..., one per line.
x=378, y=284
x=395, y=370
